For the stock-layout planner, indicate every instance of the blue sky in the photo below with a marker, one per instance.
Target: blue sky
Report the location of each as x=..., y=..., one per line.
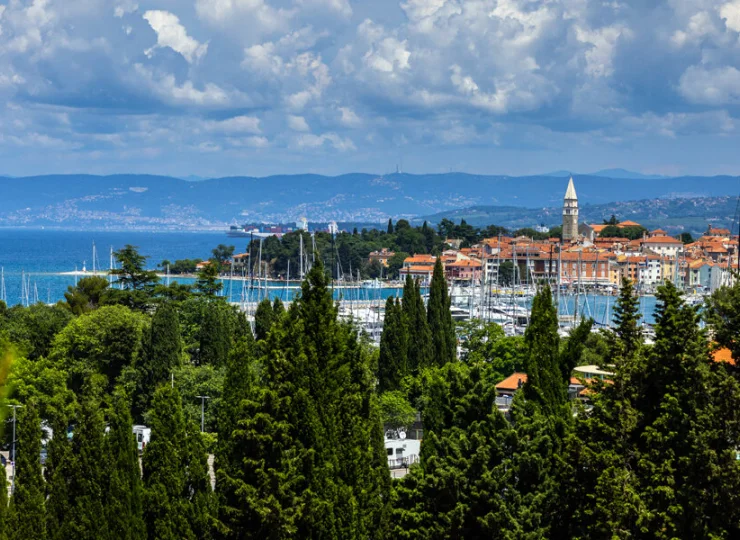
x=258, y=87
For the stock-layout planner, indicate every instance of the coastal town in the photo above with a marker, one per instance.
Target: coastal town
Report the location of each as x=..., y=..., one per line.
x=586, y=257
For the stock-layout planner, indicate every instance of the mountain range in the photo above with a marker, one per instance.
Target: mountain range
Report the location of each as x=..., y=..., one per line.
x=167, y=203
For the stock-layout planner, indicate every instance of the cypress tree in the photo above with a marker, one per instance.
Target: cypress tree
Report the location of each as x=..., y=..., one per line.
x=124, y=505
x=392, y=362
x=166, y=512
x=162, y=353
x=214, y=337
x=440, y=320
x=389, y=230
x=58, y=472
x=238, y=386
x=545, y=384
x=3, y=504
x=27, y=517
x=264, y=317
x=419, y=337
x=627, y=319
x=278, y=308
x=197, y=493
x=89, y=471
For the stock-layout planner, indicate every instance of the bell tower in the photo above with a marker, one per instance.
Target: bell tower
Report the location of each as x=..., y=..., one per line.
x=570, y=213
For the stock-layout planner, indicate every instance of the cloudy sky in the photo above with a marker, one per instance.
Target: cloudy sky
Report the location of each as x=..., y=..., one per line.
x=257, y=87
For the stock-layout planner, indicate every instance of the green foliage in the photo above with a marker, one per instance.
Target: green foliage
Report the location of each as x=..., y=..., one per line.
x=26, y=514
x=419, y=336
x=545, y=385
x=207, y=283
x=485, y=342
x=264, y=317
x=33, y=329
x=444, y=340
x=393, y=358
x=104, y=341
x=221, y=255
x=89, y=293
x=162, y=353
x=166, y=511
x=124, y=492
x=396, y=410
x=395, y=263
x=204, y=380
x=183, y=266
x=3, y=505
x=136, y=283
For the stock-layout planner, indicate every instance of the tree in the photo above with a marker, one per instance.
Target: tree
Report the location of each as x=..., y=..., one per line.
x=27, y=518
x=57, y=473
x=395, y=263
x=124, y=497
x=89, y=293
x=444, y=341
x=419, y=336
x=485, y=342
x=104, y=341
x=214, y=335
x=506, y=274
x=545, y=385
x=264, y=317
x=397, y=412
x=392, y=362
x=4, y=529
x=135, y=281
x=89, y=469
x=166, y=511
x=390, y=229
x=207, y=282
x=222, y=254
x=686, y=238
x=161, y=355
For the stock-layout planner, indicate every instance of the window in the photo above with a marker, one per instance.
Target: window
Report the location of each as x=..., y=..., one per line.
x=399, y=451
x=390, y=451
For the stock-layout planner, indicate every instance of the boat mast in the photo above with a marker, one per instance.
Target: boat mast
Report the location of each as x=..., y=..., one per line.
x=3, y=294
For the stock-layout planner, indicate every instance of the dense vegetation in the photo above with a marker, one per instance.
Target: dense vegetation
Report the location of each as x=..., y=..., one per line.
x=346, y=254
x=299, y=401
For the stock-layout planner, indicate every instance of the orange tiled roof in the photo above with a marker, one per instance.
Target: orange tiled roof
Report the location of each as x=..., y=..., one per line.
x=628, y=223
x=420, y=259
x=661, y=240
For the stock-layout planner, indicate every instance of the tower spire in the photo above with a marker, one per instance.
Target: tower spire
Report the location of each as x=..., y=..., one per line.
x=570, y=213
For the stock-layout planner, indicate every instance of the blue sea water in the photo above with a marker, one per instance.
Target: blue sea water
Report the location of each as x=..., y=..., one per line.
x=41, y=255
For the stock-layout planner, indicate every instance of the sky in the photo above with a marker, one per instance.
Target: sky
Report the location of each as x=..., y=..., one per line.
x=259, y=87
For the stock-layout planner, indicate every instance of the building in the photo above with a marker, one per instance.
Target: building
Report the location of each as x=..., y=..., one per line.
x=382, y=256
x=570, y=213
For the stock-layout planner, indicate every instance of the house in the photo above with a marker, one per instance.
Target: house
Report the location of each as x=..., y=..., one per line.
x=382, y=256
x=464, y=270
x=418, y=267
x=662, y=245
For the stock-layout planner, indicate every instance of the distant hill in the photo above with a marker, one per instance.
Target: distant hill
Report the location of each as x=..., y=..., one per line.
x=161, y=202
x=674, y=215
x=611, y=173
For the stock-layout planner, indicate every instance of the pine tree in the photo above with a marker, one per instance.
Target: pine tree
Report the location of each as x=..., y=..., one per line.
x=392, y=362
x=441, y=325
x=626, y=319
x=88, y=469
x=27, y=513
x=166, y=512
x=419, y=337
x=214, y=337
x=123, y=499
x=162, y=353
x=278, y=308
x=264, y=317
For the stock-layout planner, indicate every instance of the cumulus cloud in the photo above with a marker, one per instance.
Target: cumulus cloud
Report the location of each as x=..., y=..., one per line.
x=172, y=34
x=293, y=77
x=711, y=86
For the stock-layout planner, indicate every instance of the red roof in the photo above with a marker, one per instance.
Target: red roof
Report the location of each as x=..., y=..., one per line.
x=661, y=240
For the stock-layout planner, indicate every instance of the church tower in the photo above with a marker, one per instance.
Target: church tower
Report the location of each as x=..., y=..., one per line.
x=570, y=213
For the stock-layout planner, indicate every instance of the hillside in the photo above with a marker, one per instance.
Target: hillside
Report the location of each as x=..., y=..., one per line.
x=160, y=202
x=673, y=215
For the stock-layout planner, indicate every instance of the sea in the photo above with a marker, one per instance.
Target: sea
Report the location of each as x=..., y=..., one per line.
x=38, y=265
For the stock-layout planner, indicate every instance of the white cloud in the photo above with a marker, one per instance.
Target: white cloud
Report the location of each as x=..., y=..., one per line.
x=389, y=55
x=172, y=34
x=123, y=8
x=166, y=88
x=603, y=41
x=711, y=86
x=349, y=118
x=310, y=140
x=298, y=123
x=730, y=12
x=340, y=7
x=244, y=15
x=237, y=124
x=251, y=142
